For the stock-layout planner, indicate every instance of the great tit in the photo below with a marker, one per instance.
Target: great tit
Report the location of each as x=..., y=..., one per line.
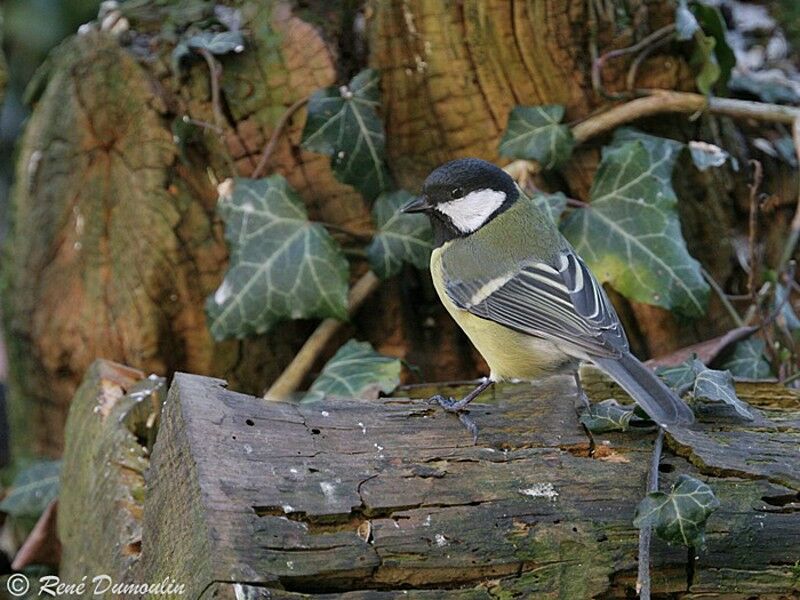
x=521, y=293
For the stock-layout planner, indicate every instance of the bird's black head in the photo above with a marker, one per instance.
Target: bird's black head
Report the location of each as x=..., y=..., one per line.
x=462, y=196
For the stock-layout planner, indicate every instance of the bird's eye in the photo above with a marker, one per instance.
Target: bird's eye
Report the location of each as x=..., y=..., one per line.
x=456, y=193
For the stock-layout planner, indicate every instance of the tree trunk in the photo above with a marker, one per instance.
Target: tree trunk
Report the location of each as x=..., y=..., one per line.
x=391, y=499
x=115, y=241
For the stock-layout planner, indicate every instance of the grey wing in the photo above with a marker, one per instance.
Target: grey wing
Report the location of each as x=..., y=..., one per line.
x=564, y=303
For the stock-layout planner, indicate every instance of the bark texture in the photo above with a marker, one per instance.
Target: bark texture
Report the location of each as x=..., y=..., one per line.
x=115, y=243
x=390, y=499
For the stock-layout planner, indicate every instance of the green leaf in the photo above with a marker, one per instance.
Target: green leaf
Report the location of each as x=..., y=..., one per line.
x=705, y=64
x=630, y=234
x=748, y=360
x=33, y=489
x=551, y=204
x=679, y=516
x=685, y=22
x=343, y=122
x=713, y=24
x=680, y=378
x=717, y=386
x=536, y=133
x=608, y=415
x=400, y=237
x=217, y=43
x=707, y=386
x=282, y=266
x=356, y=371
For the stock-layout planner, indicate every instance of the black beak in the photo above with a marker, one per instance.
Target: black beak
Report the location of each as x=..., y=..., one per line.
x=419, y=204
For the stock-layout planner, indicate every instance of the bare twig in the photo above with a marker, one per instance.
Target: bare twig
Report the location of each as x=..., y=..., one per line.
x=794, y=230
x=643, y=44
x=214, y=71
x=301, y=364
x=723, y=297
x=646, y=532
x=356, y=235
x=656, y=102
x=276, y=134
x=752, y=276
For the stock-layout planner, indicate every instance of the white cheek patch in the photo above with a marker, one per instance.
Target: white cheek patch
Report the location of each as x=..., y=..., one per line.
x=473, y=210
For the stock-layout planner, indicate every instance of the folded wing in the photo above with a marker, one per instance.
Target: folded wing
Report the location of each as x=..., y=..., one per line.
x=563, y=303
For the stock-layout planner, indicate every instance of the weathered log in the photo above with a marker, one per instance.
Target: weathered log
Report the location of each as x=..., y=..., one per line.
x=386, y=499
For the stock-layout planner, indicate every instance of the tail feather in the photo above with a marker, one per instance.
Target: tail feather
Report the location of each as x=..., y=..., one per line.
x=644, y=386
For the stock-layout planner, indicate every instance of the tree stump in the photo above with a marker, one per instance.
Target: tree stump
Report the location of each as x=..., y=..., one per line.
x=351, y=498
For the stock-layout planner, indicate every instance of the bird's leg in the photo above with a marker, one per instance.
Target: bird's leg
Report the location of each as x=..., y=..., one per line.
x=456, y=407
x=453, y=406
x=585, y=400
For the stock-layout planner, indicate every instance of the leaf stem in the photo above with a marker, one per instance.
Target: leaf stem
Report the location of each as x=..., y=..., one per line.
x=646, y=532
x=752, y=276
x=214, y=70
x=291, y=378
x=723, y=297
x=794, y=231
x=276, y=134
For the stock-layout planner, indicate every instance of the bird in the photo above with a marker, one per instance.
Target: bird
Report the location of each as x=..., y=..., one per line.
x=521, y=293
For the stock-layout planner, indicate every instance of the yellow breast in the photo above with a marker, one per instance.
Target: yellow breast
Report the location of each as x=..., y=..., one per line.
x=509, y=353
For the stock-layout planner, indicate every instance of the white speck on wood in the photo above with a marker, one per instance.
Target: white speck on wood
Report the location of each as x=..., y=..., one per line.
x=440, y=540
x=541, y=490
x=363, y=428
x=329, y=490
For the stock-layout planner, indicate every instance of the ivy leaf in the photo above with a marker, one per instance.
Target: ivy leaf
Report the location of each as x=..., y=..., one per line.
x=713, y=24
x=685, y=22
x=680, y=378
x=717, y=386
x=551, y=204
x=748, y=360
x=679, y=516
x=707, y=386
x=282, y=266
x=356, y=371
x=608, y=415
x=630, y=234
x=400, y=237
x=33, y=489
x=217, y=42
x=705, y=64
x=536, y=133
x=343, y=122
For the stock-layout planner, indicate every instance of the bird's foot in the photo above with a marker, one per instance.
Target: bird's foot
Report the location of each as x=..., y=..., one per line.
x=456, y=407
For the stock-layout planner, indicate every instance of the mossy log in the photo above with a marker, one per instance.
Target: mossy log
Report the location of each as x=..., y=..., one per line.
x=351, y=498
x=115, y=243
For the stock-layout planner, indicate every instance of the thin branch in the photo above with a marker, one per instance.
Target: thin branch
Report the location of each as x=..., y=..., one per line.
x=291, y=378
x=752, y=276
x=356, y=235
x=794, y=231
x=276, y=134
x=657, y=102
x=723, y=297
x=643, y=44
x=214, y=72
x=646, y=532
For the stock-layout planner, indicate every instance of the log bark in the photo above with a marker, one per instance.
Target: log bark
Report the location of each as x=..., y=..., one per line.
x=387, y=499
x=115, y=243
